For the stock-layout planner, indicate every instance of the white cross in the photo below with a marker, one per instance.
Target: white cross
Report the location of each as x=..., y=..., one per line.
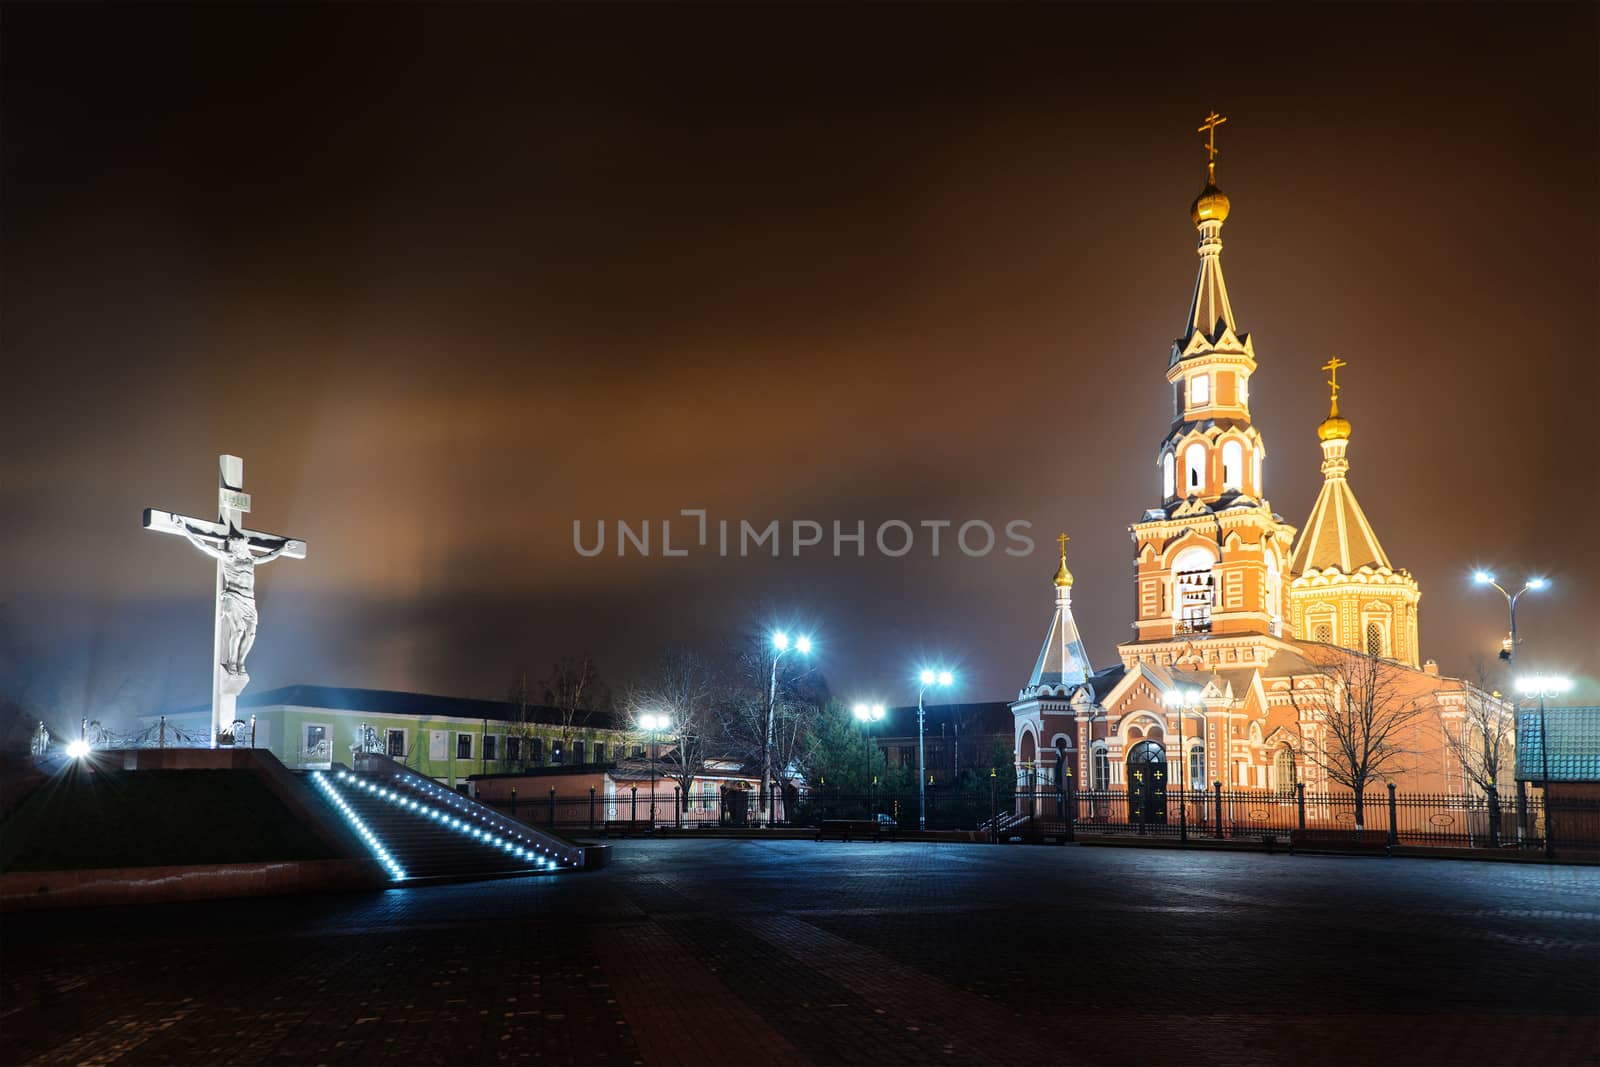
x=237, y=551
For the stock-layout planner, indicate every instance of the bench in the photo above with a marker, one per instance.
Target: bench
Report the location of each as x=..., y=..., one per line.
x=845, y=829
x=1351, y=840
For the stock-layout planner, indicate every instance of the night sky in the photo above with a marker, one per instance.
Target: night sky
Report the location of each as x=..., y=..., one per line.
x=450, y=279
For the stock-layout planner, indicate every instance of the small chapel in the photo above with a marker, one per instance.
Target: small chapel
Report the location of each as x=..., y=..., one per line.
x=1236, y=618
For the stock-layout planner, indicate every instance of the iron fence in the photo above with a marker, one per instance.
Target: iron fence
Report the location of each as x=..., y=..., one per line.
x=1383, y=818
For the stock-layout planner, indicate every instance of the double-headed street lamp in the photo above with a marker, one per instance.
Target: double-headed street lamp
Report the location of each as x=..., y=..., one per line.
x=781, y=645
x=1481, y=577
x=866, y=715
x=1184, y=696
x=1543, y=686
x=943, y=679
x=653, y=722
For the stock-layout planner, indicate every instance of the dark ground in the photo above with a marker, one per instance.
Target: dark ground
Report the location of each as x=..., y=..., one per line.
x=723, y=951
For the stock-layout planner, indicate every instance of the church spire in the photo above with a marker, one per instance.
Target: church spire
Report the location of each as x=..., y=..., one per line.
x=1209, y=310
x=1337, y=534
x=1063, y=659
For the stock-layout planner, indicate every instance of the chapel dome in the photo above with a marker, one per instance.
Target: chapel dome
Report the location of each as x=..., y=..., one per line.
x=1210, y=206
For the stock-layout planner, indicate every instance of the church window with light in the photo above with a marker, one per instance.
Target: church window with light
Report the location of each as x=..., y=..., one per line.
x=1168, y=489
x=1199, y=389
x=1194, y=463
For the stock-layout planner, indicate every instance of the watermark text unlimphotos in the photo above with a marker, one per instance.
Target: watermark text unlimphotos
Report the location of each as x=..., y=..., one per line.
x=893, y=538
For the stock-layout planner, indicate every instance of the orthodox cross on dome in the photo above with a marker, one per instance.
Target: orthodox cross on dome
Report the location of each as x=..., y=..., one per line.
x=1209, y=128
x=236, y=551
x=1063, y=539
x=1332, y=367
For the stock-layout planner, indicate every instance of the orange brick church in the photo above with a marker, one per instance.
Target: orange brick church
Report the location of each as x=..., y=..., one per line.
x=1244, y=633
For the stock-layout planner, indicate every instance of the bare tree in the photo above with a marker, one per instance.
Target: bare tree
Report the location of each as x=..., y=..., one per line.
x=684, y=687
x=520, y=727
x=1484, y=740
x=1364, y=711
x=573, y=688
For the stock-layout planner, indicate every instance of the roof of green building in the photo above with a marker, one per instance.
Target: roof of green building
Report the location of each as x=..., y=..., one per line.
x=420, y=705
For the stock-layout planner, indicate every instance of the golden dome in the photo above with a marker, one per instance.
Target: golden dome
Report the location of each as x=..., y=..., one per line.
x=1210, y=206
x=1335, y=427
x=1063, y=576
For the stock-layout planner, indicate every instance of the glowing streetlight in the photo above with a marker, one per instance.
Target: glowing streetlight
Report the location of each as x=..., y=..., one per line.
x=77, y=749
x=944, y=679
x=1543, y=686
x=866, y=715
x=1184, y=696
x=653, y=722
x=780, y=646
x=1537, y=583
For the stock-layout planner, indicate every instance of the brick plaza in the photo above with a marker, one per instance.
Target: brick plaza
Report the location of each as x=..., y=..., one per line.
x=725, y=951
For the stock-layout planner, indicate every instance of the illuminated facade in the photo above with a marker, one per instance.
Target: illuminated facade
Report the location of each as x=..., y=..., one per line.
x=1232, y=616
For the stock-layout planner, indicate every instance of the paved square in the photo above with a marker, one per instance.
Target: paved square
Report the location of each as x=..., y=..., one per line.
x=724, y=951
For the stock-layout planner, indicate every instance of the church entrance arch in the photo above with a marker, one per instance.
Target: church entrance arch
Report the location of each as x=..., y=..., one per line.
x=1147, y=783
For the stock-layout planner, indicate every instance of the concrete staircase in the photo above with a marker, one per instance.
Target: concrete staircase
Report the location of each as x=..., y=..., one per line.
x=418, y=830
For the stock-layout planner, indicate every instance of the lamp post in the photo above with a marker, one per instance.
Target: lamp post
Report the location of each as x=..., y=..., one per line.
x=1509, y=653
x=780, y=647
x=1544, y=685
x=1178, y=699
x=653, y=722
x=944, y=679
x=866, y=715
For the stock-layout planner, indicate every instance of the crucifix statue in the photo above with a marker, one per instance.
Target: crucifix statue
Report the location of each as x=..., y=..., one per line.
x=238, y=552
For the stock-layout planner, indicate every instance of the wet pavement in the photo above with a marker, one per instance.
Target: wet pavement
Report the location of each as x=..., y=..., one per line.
x=726, y=951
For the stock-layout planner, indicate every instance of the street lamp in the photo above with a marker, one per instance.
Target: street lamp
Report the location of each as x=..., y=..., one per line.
x=1482, y=577
x=866, y=715
x=1178, y=699
x=780, y=647
x=653, y=722
x=943, y=679
x=1544, y=685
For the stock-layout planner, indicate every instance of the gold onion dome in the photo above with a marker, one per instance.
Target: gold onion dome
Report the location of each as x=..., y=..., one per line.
x=1335, y=427
x=1063, y=576
x=1210, y=206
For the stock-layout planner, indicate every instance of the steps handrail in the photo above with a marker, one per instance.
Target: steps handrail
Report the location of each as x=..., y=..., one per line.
x=380, y=765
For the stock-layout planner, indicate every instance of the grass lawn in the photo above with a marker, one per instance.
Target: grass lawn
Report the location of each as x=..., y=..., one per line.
x=85, y=818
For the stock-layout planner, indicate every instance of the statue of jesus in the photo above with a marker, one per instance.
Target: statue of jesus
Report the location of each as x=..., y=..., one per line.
x=238, y=601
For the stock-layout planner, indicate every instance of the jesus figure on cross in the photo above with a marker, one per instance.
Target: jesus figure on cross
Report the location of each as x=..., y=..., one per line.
x=237, y=603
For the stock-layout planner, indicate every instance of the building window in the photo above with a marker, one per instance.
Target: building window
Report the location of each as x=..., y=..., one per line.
x=1100, y=769
x=1194, y=467
x=395, y=744
x=513, y=750
x=1196, y=590
x=1322, y=633
x=577, y=751
x=1200, y=390
x=1197, y=767
x=1258, y=490
x=1232, y=465
x=535, y=750
x=491, y=747
x=316, y=746
x=463, y=746
x=638, y=752
x=907, y=755
x=599, y=751
x=558, y=753
x=1283, y=769
x=1168, y=488
x=1375, y=641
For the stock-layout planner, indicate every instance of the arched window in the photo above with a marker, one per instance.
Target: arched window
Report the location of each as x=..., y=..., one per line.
x=1199, y=390
x=1274, y=593
x=1194, y=468
x=1375, y=642
x=1322, y=633
x=1197, y=767
x=1232, y=465
x=1283, y=769
x=1100, y=769
x=1195, y=587
x=1168, y=489
x=1257, y=489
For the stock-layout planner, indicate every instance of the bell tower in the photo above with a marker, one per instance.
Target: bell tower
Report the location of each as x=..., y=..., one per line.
x=1212, y=558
